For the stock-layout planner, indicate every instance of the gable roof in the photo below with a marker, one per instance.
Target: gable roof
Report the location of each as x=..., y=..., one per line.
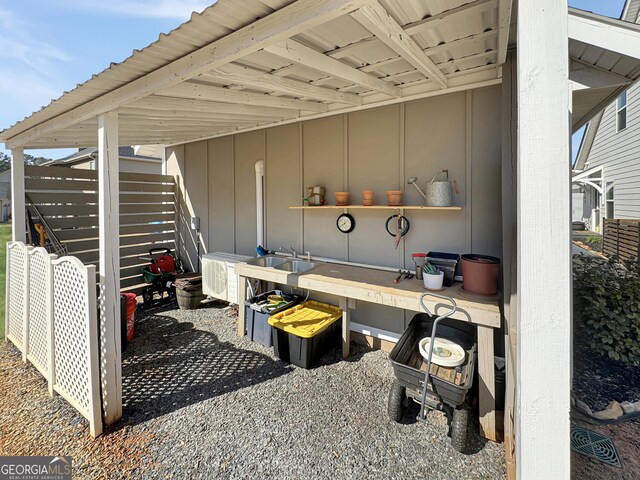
x=92, y=154
x=630, y=13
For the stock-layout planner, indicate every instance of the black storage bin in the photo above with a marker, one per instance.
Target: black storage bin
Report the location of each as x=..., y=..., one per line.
x=258, y=328
x=304, y=352
x=447, y=262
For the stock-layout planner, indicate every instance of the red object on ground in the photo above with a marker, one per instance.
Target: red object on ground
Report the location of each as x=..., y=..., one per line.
x=166, y=263
x=132, y=304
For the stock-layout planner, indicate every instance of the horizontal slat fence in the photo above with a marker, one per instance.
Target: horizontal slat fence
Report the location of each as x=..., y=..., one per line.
x=621, y=238
x=68, y=200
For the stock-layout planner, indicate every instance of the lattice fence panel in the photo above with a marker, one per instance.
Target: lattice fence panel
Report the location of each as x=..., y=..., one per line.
x=76, y=338
x=40, y=310
x=16, y=299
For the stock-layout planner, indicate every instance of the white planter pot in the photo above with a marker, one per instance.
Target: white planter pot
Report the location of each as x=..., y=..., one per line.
x=433, y=282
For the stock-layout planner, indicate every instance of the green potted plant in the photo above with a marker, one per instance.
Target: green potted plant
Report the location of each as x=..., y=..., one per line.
x=432, y=277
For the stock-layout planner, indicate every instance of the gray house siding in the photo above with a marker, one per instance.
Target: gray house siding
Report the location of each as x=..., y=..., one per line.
x=619, y=154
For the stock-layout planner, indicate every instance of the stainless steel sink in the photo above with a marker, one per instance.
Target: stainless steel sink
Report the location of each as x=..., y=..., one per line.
x=295, y=265
x=267, y=261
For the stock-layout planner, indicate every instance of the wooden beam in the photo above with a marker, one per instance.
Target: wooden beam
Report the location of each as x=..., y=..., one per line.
x=504, y=24
x=109, y=246
x=303, y=55
x=466, y=42
x=209, y=92
x=376, y=19
x=447, y=16
x=18, y=225
x=247, y=76
x=286, y=22
x=544, y=242
x=169, y=104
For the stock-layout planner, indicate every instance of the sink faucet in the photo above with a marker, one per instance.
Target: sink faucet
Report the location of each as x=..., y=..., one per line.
x=289, y=250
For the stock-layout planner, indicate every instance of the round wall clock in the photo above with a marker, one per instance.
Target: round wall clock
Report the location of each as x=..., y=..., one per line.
x=345, y=223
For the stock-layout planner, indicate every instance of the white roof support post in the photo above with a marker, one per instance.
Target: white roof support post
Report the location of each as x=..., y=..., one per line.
x=543, y=375
x=18, y=228
x=109, y=244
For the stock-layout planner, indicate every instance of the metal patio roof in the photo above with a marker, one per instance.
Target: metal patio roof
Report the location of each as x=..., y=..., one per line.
x=246, y=64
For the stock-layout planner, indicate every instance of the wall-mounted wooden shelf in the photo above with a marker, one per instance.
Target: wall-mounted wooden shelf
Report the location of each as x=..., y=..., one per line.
x=375, y=207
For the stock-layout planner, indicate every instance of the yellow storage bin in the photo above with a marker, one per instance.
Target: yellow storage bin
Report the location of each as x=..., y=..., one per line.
x=307, y=319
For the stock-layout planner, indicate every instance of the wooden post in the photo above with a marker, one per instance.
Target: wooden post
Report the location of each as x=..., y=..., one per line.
x=544, y=242
x=109, y=245
x=242, y=297
x=18, y=229
x=346, y=327
x=487, y=387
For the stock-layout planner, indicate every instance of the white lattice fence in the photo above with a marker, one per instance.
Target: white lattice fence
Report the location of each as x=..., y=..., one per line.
x=17, y=299
x=52, y=318
x=40, y=320
x=76, y=351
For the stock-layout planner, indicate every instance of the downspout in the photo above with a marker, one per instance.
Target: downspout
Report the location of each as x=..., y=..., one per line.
x=260, y=203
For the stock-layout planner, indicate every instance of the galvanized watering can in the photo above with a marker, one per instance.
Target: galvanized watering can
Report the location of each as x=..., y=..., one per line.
x=437, y=193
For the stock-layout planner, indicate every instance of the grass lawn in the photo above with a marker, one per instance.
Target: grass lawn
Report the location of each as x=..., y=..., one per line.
x=5, y=236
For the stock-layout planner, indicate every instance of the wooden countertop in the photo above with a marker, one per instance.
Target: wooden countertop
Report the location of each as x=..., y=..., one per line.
x=376, y=286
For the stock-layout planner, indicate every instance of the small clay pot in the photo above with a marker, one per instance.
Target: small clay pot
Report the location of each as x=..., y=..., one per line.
x=367, y=198
x=394, y=197
x=342, y=198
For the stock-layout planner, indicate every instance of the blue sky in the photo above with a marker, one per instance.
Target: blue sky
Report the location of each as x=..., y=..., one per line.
x=47, y=47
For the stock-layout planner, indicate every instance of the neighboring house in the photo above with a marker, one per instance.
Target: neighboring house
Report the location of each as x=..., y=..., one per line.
x=5, y=196
x=141, y=159
x=606, y=175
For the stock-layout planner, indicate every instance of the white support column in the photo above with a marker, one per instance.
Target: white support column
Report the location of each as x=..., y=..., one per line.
x=544, y=255
x=109, y=244
x=18, y=228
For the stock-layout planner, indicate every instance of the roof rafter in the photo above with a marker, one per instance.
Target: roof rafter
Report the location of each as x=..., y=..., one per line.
x=251, y=77
x=504, y=23
x=376, y=19
x=297, y=53
x=209, y=92
x=281, y=24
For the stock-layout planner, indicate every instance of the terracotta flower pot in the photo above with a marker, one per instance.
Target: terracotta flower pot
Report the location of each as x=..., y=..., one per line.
x=394, y=197
x=342, y=198
x=480, y=274
x=367, y=198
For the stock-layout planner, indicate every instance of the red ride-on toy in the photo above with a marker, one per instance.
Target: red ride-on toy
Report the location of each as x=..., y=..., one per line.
x=160, y=274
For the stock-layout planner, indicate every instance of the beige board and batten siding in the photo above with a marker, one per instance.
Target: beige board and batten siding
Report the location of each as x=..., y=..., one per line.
x=375, y=149
x=619, y=154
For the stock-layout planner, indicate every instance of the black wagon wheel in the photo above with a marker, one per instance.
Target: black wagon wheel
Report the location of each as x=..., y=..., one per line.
x=395, y=406
x=459, y=428
x=147, y=295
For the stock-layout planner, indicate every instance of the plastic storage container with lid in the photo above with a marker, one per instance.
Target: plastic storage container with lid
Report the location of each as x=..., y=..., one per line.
x=258, y=309
x=304, y=333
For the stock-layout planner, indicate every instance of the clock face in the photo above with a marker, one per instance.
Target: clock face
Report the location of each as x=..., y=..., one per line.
x=346, y=223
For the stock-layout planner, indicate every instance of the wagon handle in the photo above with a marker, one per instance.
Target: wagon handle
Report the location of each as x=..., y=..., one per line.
x=433, y=337
x=454, y=305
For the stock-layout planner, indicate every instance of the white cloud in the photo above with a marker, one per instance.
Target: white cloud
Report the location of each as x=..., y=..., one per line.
x=144, y=8
x=18, y=44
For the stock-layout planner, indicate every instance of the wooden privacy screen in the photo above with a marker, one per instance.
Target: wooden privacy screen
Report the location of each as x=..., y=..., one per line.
x=621, y=238
x=68, y=200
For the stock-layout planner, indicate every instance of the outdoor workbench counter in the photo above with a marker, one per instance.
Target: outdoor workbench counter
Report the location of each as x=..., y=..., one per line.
x=376, y=286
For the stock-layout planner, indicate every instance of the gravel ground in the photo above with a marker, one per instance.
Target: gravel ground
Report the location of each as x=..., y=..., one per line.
x=202, y=403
